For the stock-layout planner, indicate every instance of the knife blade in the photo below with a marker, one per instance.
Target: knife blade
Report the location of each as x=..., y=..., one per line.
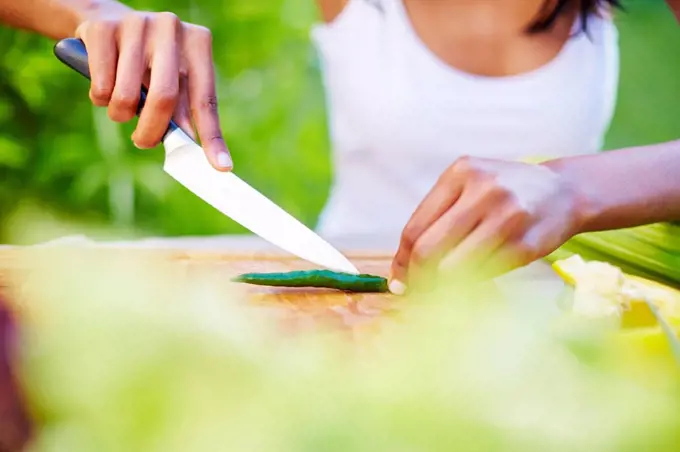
x=186, y=162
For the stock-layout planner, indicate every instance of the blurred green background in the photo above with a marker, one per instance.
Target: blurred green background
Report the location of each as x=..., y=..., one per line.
x=61, y=156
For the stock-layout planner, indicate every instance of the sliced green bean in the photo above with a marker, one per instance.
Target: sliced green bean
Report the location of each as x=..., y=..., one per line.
x=317, y=278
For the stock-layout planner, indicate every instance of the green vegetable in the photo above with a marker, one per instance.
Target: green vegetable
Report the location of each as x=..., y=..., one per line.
x=650, y=251
x=317, y=278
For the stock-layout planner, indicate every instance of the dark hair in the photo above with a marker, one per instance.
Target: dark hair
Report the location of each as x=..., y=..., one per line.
x=549, y=13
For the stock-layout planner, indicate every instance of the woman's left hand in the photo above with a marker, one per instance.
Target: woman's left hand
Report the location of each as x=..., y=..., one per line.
x=487, y=217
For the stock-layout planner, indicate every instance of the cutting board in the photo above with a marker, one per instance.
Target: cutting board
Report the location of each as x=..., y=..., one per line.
x=298, y=307
x=301, y=307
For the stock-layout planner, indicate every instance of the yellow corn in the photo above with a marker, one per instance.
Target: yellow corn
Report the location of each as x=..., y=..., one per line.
x=651, y=251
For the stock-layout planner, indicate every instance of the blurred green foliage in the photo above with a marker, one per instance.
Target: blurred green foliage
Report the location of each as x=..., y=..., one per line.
x=57, y=150
x=123, y=353
x=59, y=153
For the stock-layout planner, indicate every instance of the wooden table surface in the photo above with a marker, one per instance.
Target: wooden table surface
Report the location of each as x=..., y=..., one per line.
x=226, y=256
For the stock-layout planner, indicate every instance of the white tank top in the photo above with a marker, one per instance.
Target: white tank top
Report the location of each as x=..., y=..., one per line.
x=399, y=116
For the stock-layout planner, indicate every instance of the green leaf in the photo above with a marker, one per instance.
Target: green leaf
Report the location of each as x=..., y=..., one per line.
x=12, y=154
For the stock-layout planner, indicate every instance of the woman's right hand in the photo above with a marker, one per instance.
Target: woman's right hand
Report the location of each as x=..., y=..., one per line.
x=174, y=59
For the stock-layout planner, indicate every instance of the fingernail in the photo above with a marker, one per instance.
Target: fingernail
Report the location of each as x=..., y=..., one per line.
x=134, y=141
x=397, y=287
x=142, y=147
x=224, y=160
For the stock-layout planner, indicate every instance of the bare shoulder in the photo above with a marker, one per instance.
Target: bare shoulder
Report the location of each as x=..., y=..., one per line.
x=330, y=9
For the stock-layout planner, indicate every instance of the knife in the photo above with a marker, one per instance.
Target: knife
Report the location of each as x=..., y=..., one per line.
x=186, y=162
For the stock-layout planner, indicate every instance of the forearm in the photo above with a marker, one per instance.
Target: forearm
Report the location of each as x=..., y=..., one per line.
x=626, y=188
x=56, y=19
x=674, y=5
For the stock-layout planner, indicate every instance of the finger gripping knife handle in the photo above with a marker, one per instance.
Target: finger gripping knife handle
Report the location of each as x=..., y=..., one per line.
x=72, y=52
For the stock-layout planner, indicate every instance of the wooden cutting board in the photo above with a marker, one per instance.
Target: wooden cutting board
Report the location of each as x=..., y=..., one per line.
x=301, y=307
x=297, y=306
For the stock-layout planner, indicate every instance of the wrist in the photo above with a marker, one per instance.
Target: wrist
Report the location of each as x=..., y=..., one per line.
x=587, y=201
x=86, y=10
x=73, y=13
x=59, y=19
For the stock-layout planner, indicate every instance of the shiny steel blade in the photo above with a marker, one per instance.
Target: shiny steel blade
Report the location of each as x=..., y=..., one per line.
x=186, y=162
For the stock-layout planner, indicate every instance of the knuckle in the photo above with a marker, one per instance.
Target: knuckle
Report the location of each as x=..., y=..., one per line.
x=513, y=222
x=493, y=191
x=482, y=178
x=94, y=29
x=458, y=167
x=101, y=93
x=201, y=35
x=408, y=238
x=125, y=101
x=168, y=19
x=418, y=256
x=118, y=115
x=98, y=29
x=464, y=164
x=420, y=253
x=98, y=102
x=101, y=26
x=208, y=104
x=517, y=216
x=467, y=167
x=215, y=137
x=164, y=98
x=447, y=175
x=399, y=262
x=135, y=20
x=167, y=16
x=465, y=215
x=525, y=252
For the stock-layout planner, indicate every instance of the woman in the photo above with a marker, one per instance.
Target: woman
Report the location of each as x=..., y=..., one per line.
x=414, y=88
x=413, y=85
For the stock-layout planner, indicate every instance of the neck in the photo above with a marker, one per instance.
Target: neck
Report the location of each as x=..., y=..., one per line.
x=480, y=17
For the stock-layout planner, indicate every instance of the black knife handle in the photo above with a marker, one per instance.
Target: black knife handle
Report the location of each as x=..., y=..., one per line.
x=72, y=53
